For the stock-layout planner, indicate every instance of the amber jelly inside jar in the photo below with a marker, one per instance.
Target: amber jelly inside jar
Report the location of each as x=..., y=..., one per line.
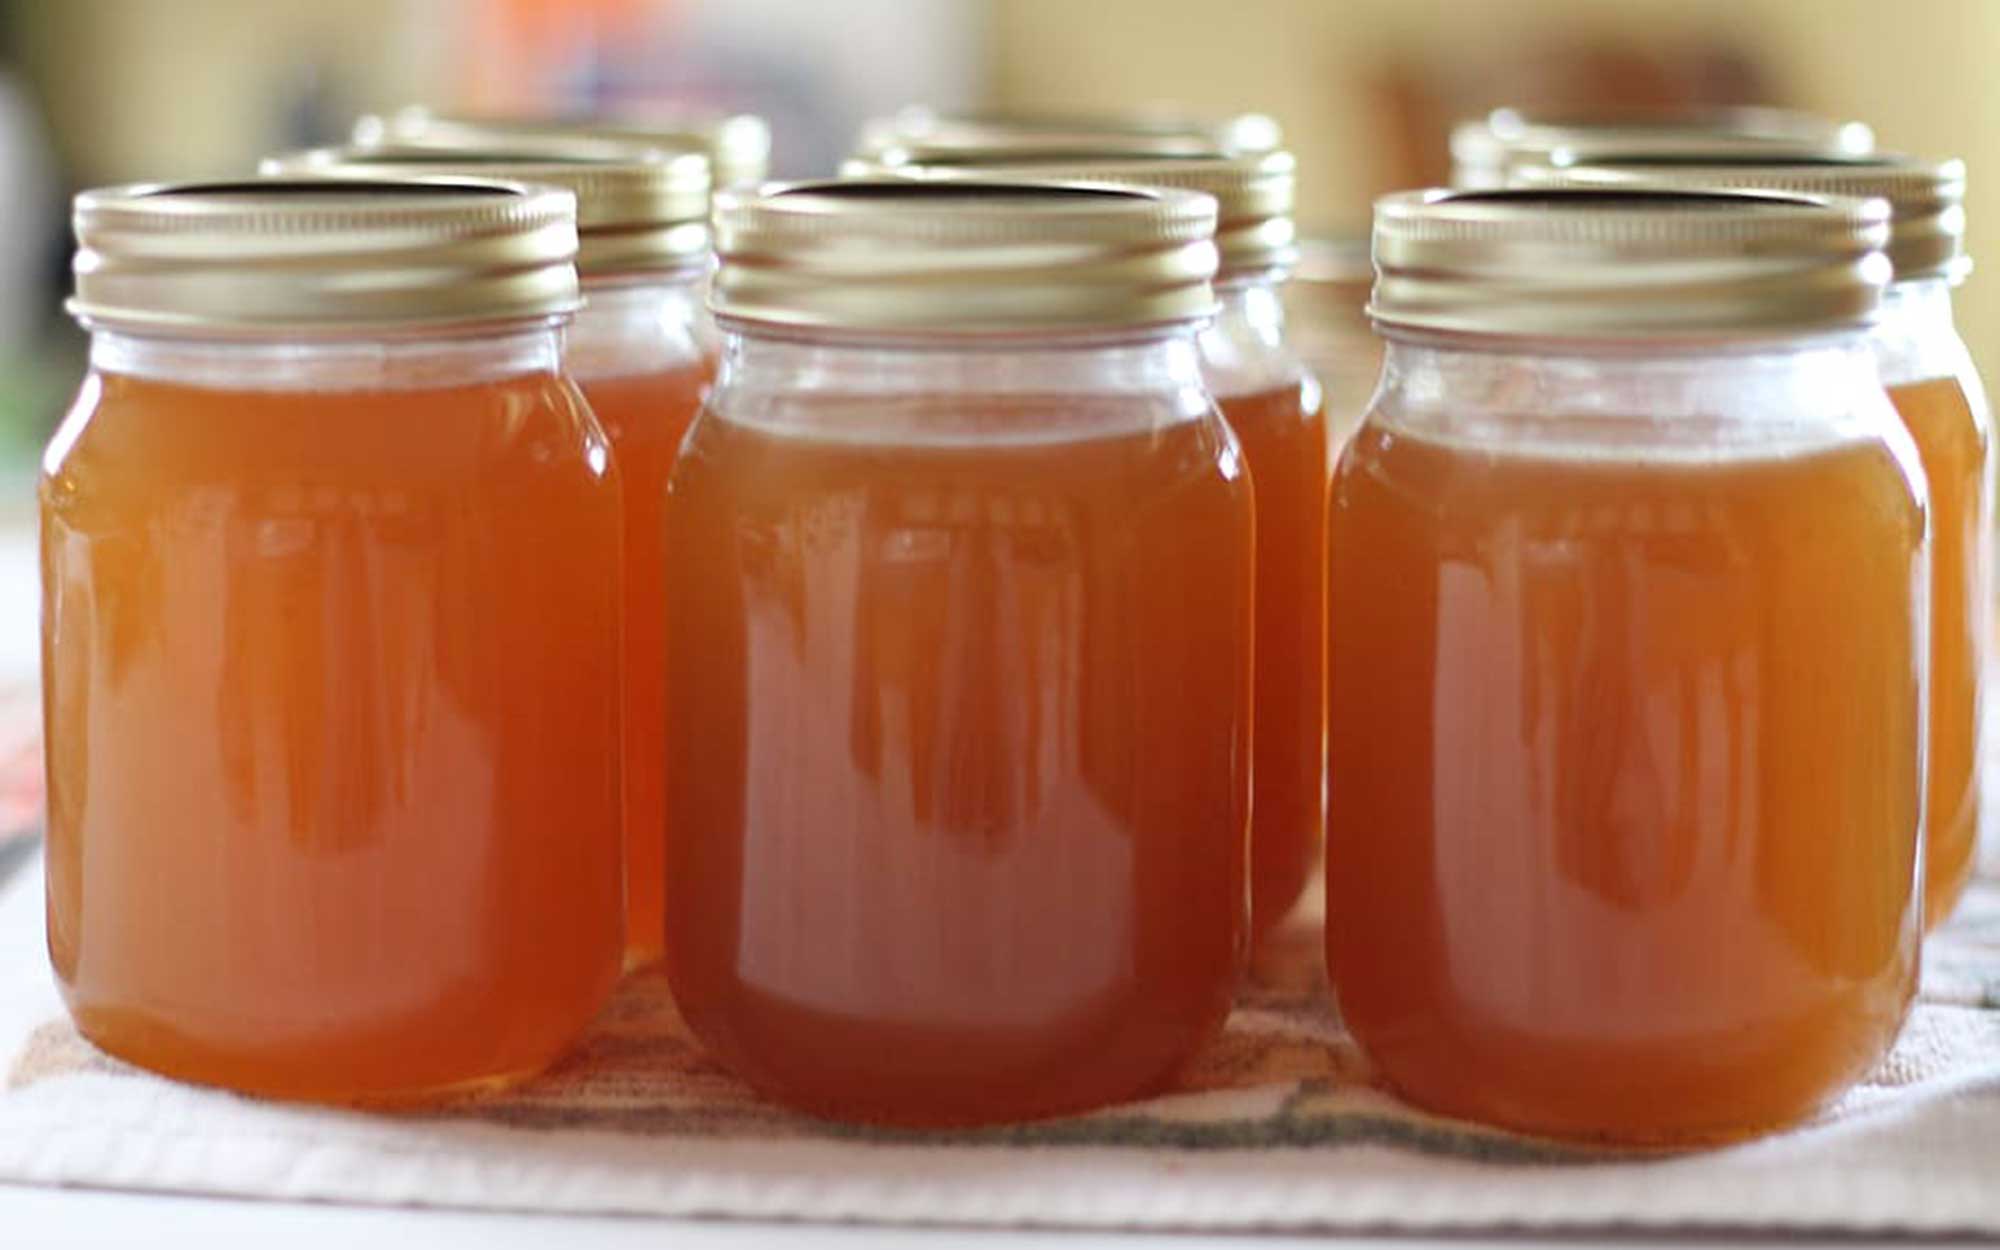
x=1937, y=392
x=969, y=634
x=1626, y=665
x=329, y=546
x=642, y=348
x=1274, y=405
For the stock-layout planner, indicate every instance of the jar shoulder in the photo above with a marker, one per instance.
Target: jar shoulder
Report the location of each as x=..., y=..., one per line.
x=144, y=436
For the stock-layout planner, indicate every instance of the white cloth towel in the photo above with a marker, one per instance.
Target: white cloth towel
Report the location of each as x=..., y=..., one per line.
x=1276, y=1128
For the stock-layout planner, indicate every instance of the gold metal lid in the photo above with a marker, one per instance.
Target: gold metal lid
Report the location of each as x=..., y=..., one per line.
x=938, y=133
x=947, y=257
x=1254, y=194
x=1578, y=264
x=1486, y=150
x=635, y=211
x=738, y=145
x=322, y=256
x=1926, y=199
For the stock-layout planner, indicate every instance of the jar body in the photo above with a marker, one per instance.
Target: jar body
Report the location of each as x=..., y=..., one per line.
x=1273, y=405
x=635, y=352
x=331, y=815
x=1937, y=393
x=1326, y=301
x=1626, y=685
x=967, y=631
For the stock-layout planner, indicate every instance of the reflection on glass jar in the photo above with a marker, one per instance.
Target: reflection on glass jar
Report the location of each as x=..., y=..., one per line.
x=333, y=812
x=638, y=347
x=1275, y=407
x=965, y=627
x=1628, y=665
x=1936, y=390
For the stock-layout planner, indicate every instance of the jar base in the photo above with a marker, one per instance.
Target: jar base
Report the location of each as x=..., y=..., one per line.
x=1637, y=1141
x=892, y=1077
x=638, y=958
x=161, y=1052
x=1279, y=885
x=1948, y=873
x=1639, y=1102
x=861, y=1113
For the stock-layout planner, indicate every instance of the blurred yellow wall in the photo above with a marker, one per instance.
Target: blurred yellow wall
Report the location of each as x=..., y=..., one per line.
x=1926, y=74
x=143, y=89
x=175, y=88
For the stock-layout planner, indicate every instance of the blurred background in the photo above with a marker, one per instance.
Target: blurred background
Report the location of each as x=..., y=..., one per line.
x=95, y=91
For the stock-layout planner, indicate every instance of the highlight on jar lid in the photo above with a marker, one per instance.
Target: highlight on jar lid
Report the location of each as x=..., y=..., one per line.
x=1486, y=149
x=927, y=131
x=1637, y=264
x=268, y=256
x=1926, y=198
x=738, y=145
x=963, y=256
x=635, y=210
x=1254, y=194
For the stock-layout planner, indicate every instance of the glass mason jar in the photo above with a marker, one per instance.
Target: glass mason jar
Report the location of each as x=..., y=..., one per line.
x=637, y=349
x=1486, y=152
x=1327, y=299
x=1273, y=404
x=1627, y=665
x=961, y=838
x=738, y=145
x=330, y=665
x=920, y=133
x=1936, y=390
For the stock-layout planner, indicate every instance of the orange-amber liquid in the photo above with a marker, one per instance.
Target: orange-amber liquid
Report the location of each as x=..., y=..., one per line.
x=1952, y=441
x=1625, y=780
x=645, y=415
x=332, y=728
x=962, y=837
x=1283, y=435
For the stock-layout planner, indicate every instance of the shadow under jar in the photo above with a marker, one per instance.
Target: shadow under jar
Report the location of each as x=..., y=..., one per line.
x=636, y=349
x=1937, y=392
x=1627, y=665
x=1273, y=406
x=330, y=629
x=959, y=836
